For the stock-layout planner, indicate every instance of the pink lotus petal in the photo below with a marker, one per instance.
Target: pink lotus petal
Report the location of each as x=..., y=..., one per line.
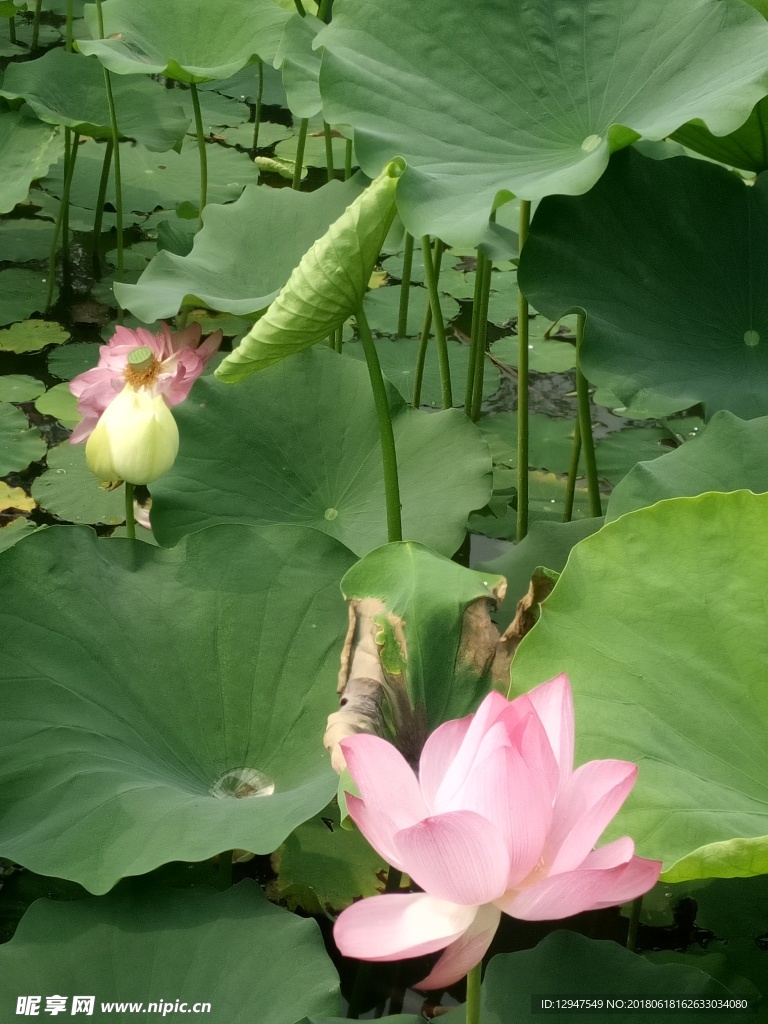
x=530, y=739
x=386, y=781
x=210, y=345
x=466, y=952
x=587, y=804
x=573, y=892
x=439, y=751
x=390, y=927
x=620, y=851
x=512, y=795
x=378, y=829
x=459, y=856
x=553, y=702
x=486, y=716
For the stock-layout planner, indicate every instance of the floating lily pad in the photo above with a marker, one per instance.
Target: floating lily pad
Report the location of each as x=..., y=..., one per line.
x=320, y=453
x=68, y=89
x=16, y=387
x=398, y=361
x=70, y=491
x=73, y=359
x=20, y=444
x=242, y=134
x=152, y=180
x=215, y=273
x=216, y=110
x=314, y=150
x=244, y=85
x=620, y=452
x=675, y=634
x=382, y=306
x=60, y=403
x=667, y=318
x=553, y=354
x=550, y=440
x=144, y=37
x=29, y=148
x=25, y=241
x=323, y=868
x=173, y=949
x=22, y=293
x=528, y=99
x=15, y=531
x=188, y=722
x=728, y=456
x=15, y=498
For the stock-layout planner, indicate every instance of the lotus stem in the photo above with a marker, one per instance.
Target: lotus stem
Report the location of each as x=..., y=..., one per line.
x=130, y=519
x=421, y=358
x=12, y=29
x=257, y=115
x=60, y=218
x=405, y=287
x=68, y=43
x=481, y=327
x=339, y=339
x=100, y=200
x=36, y=25
x=69, y=157
x=634, y=923
x=329, y=151
x=201, y=150
x=302, y=141
x=573, y=472
x=324, y=11
x=116, y=160
x=300, y=8
x=585, y=424
x=348, y=160
x=431, y=272
x=386, y=433
x=473, y=994
x=522, y=388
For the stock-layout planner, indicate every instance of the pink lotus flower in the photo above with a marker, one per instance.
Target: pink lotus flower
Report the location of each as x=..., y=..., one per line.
x=497, y=820
x=178, y=359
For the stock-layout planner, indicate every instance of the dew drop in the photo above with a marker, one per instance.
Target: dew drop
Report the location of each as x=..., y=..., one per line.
x=330, y=514
x=242, y=782
x=751, y=338
x=590, y=144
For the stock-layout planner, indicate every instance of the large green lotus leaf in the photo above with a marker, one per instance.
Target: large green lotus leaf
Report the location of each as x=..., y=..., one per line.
x=730, y=454
x=20, y=444
x=217, y=274
x=326, y=287
x=152, y=180
x=14, y=531
x=189, y=40
x=146, y=690
x=546, y=544
x=300, y=445
x=168, y=946
x=659, y=621
x=29, y=148
x=435, y=640
x=398, y=363
x=568, y=965
x=531, y=97
x=747, y=147
x=667, y=315
x=68, y=89
x=300, y=65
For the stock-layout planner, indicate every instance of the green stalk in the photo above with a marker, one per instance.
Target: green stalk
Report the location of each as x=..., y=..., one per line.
x=522, y=389
x=331, y=170
x=324, y=11
x=12, y=29
x=473, y=994
x=634, y=923
x=386, y=433
x=476, y=300
x=480, y=341
x=259, y=97
x=585, y=424
x=573, y=472
x=60, y=218
x=300, y=8
x=116, y=160
x=348, y=160
x=68, y=43
x=100, y=200
x=36, y=24
x=338, y=341
x=421, y=358
x=69, y=156
x=302, y=141
x=431, y=271
x=201, y=150
x=130, y=519
x=402, y=315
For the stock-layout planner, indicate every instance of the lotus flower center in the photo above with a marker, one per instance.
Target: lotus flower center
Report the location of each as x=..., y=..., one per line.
x=242, y=782
x=142, y=368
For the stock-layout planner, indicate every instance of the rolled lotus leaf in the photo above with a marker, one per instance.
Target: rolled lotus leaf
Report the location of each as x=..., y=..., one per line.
x=326, y=287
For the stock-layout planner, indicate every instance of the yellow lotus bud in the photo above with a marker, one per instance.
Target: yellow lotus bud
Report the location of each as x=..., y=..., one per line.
x=136, y=438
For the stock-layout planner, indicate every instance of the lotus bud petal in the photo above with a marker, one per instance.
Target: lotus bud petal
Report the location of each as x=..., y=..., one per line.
x=136, y=438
